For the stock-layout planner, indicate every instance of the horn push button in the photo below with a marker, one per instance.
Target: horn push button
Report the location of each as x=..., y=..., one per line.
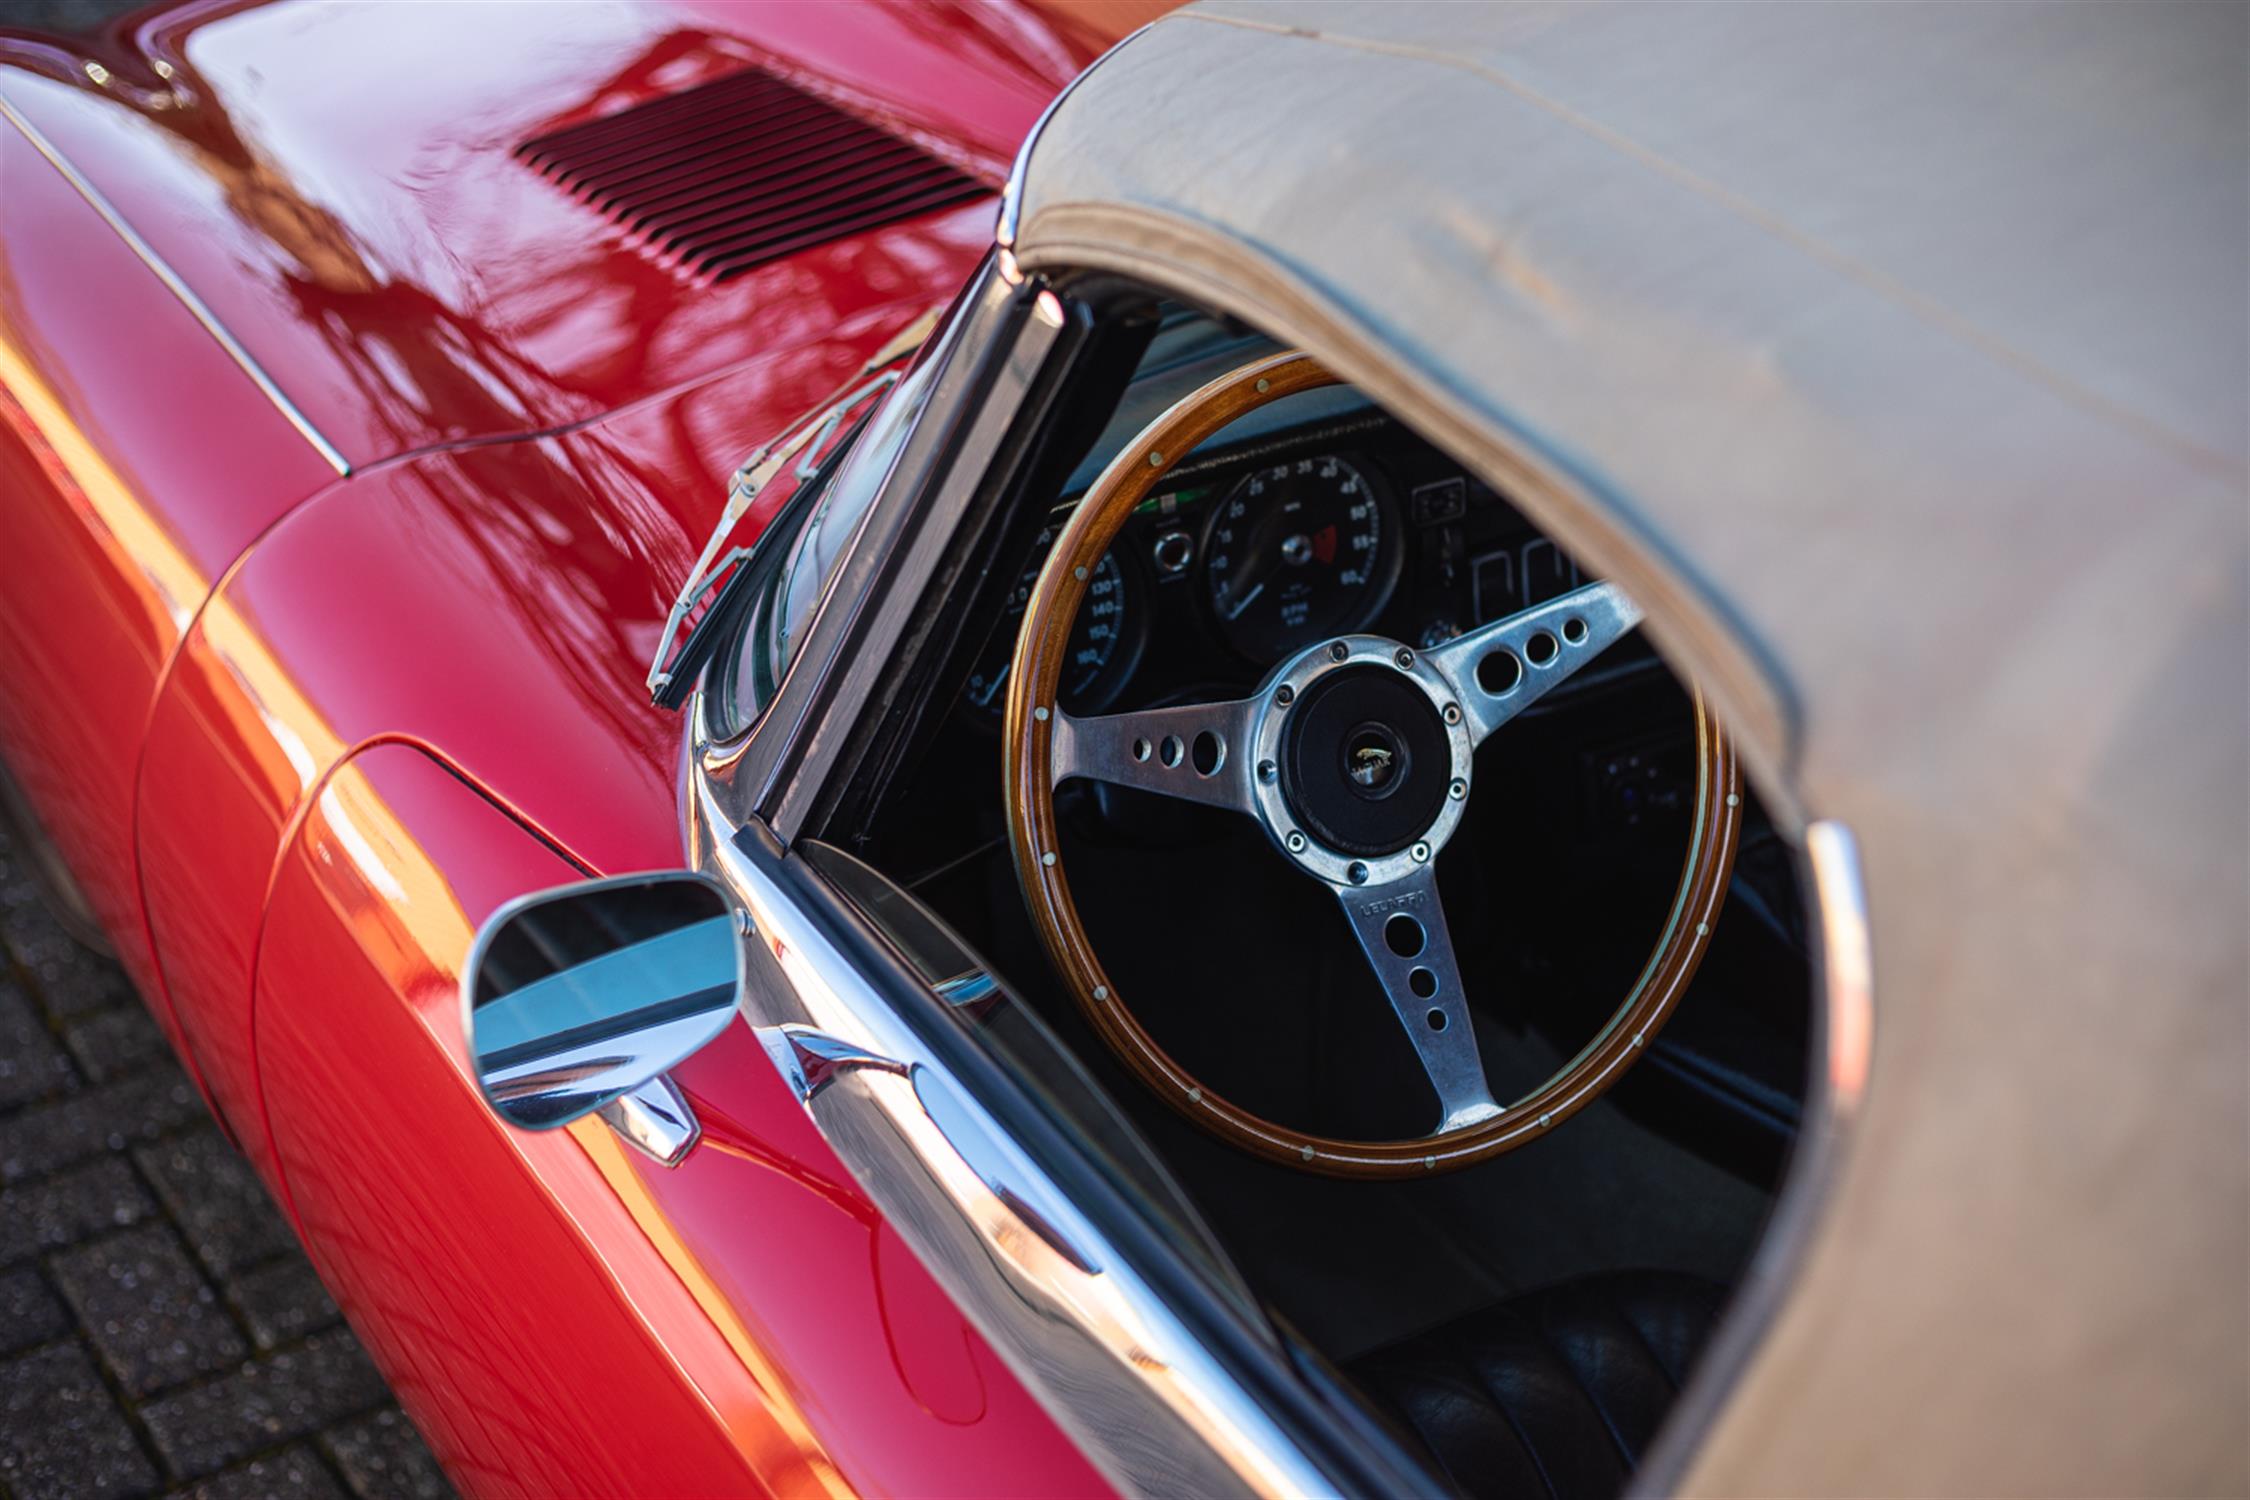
x=1365, y=761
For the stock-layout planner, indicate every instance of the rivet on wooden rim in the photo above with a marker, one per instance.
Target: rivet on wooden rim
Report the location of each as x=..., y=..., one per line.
x=1264, y=384
x=1703, y=929
x=1079, y=573
x=1155, y=459
x=1305, y=1152
x=1195, y=1096
x=1048, y=858
x=1040, y=714
x=1733, y=800
x=1101, y=992
x=1545, y=1121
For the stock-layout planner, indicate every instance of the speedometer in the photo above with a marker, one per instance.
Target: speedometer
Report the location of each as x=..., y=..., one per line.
x=1296, y=551
x=1104, y=641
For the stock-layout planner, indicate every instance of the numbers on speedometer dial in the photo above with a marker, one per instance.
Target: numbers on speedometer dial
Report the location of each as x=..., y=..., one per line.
x=1298, y=550
x=1103, y=639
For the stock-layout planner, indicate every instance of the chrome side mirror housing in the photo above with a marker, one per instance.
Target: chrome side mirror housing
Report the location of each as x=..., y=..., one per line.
x=577, y=996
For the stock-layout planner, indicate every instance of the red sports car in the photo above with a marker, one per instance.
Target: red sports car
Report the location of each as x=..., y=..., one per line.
x=868, y=758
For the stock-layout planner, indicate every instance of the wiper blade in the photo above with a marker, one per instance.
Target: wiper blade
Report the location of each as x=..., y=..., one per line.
x=810, y=435
x=750, y=564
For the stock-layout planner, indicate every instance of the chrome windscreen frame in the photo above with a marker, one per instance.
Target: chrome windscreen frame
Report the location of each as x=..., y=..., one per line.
x=987, y=357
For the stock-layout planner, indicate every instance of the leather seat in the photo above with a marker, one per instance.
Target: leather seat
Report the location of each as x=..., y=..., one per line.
x=1558, y=1392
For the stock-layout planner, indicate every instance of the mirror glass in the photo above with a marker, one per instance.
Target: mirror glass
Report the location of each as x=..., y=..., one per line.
x=581, y=994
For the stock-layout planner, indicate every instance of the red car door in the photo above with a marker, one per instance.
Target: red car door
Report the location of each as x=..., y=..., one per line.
x=558, y=1312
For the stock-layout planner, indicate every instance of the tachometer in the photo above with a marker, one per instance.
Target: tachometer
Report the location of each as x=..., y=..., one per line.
x=1298, y=550
x=1104, y=643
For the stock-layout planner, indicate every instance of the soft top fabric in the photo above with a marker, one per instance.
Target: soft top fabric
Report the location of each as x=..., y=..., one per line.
x=1895, y=357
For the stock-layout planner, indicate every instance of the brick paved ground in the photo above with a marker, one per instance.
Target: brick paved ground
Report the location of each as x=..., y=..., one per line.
x=160, y=1329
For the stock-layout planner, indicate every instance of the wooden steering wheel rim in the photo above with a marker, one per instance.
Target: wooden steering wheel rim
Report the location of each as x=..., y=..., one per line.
x=1027, y=742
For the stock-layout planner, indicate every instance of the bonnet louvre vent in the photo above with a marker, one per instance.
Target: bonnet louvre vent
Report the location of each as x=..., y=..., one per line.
x=743, y=170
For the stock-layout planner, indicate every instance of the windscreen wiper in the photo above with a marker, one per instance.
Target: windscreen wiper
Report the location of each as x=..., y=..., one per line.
x=669, y=688
x=812, y=439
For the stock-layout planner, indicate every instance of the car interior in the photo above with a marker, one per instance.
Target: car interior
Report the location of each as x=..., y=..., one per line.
x=1525, y=1320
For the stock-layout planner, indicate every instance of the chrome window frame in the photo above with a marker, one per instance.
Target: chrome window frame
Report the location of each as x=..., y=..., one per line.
x=1126, y=1367
x=988, y=356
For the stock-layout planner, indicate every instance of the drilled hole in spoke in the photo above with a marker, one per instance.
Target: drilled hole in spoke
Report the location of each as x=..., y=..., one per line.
x=1210, y=753
x=1404, y=935
x=1423, y=982
x=1172, y=751
x=1141, y=750
x=1540, y=649
x=1436, y=1018
x=1499, y=672
x=1574, y=631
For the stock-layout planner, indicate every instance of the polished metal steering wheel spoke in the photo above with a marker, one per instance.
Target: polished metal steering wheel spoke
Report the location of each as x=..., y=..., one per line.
x=1401, y=927
x=1198, y=752
x=1501, y=669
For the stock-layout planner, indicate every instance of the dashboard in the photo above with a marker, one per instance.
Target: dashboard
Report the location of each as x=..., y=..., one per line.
x=1256, y=550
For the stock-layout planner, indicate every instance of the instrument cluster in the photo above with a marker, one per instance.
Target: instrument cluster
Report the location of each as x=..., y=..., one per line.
x=1252, y=554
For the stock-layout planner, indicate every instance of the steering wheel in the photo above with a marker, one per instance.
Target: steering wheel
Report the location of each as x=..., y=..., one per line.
x=1356, y=758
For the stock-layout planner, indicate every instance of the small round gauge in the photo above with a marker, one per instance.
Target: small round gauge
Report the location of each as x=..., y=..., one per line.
x=1296, y=551
x=1104, y=640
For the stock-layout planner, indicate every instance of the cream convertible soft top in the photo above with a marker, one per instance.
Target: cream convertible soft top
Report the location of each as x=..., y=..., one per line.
x=1896, y=359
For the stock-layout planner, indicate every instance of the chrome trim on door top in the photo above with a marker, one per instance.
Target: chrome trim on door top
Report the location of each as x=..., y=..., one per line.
x=1153, y=1407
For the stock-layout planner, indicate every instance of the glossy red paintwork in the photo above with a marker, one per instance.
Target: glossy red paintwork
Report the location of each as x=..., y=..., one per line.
x=121, y=514
x=602, y=1325
x=338, y=187
x=499, y=602
x=297, y=734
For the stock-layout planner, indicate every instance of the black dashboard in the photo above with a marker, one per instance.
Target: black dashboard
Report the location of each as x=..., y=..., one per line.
x=1259, y=548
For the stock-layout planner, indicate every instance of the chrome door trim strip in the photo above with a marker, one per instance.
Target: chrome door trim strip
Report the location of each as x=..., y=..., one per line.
x=811, y=1061
x=1103, y=1351
x=179, y=288
x=1843, y=1049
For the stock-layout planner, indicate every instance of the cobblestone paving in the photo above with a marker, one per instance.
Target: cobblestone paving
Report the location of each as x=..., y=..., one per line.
x=160, y=1330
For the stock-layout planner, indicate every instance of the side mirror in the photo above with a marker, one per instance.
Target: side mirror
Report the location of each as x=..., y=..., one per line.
x=578, y=995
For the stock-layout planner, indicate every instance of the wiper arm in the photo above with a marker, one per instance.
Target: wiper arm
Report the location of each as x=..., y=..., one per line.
x=671, y=683
x=671, y=674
